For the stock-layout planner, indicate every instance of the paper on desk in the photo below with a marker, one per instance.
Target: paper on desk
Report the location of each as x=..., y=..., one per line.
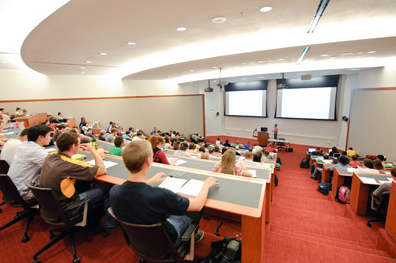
x=327, y=161
x=50, y=150
x=351, y=170
x=385, y=181
x=253, y=173
x=192, y=188
x=366, y=180
x=178, y=162
x=173, y=184
x=107, y=164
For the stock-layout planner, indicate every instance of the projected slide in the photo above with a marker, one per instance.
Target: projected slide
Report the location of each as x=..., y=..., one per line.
x=250, y=103
x=306, y=103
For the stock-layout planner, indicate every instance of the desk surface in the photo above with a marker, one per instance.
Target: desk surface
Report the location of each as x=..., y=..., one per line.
x=11, y=134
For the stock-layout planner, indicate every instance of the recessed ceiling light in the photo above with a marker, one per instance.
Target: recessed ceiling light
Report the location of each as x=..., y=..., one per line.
x=347, y=54
x=324, y=55
x=214, y=67
x=103, y=53
x=82, y=68
x=181, y=28
x=261, y=61
x=280, y=59
x=371, y=52
x=82, y=72
x=219, y=19
x=88, y=61
x=131, y=43
x=265, y=9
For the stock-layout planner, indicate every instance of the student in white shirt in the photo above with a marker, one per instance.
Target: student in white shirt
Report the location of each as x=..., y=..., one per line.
x=12, y=145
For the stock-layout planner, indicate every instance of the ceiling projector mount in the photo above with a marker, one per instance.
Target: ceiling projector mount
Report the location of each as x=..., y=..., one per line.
x=282, y=85
x=208, y=89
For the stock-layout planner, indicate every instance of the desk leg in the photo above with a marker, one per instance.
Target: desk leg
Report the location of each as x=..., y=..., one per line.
x=359, y=196
x=253, y=234
x=267, y=203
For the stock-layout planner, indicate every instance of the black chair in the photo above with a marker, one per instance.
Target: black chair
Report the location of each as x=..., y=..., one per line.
x=281, y=145
x=53, y=213
x=152, y=242
x=381, y=211
x=12, y=198
x=4, y=167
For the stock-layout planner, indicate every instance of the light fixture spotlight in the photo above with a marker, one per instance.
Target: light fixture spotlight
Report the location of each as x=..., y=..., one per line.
x=265, y=9
x=131, y=43
x=103, y=53
x=181, y=29
x=219, y=19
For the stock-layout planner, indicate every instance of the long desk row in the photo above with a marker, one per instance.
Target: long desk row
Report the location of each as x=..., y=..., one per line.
x=247, y=197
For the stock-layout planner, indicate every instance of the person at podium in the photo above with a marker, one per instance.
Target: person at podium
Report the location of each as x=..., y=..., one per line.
x=275, y=131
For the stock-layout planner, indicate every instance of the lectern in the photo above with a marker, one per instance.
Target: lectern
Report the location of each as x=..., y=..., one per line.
x=263, y=138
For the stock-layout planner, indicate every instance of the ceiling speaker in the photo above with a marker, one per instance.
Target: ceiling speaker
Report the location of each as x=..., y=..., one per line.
x=306, y=77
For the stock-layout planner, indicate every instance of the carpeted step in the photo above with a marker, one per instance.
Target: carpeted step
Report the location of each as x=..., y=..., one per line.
x=323, y=224
x=337, y=242
x=310, y=204
x=281, y=248
x=302, y=193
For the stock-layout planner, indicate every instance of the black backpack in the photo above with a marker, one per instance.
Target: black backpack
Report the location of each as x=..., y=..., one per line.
x=324, y=187
x=227, y=250
x=304, y=163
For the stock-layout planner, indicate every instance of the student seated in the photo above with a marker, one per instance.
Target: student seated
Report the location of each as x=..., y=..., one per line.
x=157, y=142
x=247, y=146
x=351, y=152
x=216, y=151
x=333, y=151
x=354, y=162
x=247, y=160
x=343, y=161
x=118, y=144
x=227, y=165
x=378, y=165
x=227, y=143
x=182, y=150
x=257, y=148
x=101, y=135
x=191, y=148
x=205, y=156
x=136, y=201
x=12, y=145
x=127, y=136
x=266, y=155
x=383, y=188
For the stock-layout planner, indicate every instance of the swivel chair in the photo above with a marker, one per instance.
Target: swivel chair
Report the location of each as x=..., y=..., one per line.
x=381, y=211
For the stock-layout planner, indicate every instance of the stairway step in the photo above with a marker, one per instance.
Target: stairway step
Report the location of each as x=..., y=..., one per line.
x=311, y=204
x=337, y=242
x=323, y=224
x=280, y=248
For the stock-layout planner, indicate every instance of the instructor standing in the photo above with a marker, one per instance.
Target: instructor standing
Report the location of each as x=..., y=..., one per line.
x=275, y=131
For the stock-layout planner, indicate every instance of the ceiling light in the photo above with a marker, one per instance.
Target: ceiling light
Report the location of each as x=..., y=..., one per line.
x=265, y=9
x=280, y=59
x=191, y=70
x=82, y=68
x=319, y=12
x=103, y=53
x=300, y=59
x=324, y=55
x=88, y=61
x=131, y=43
x=219, y=19
x=347, y=54
x=371, y=52
x=261, y=61
x=214, y=67
x=181, y=28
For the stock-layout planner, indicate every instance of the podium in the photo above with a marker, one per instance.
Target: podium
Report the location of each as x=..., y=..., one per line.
x=263, y=138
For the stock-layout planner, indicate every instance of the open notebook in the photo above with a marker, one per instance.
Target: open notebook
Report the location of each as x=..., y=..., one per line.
x=191, y=187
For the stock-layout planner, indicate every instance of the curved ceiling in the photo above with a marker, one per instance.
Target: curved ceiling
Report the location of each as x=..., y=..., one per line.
x=351, y=35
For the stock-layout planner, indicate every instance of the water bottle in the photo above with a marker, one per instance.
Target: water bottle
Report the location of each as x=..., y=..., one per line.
x=94, y=144
x=17, y=124
x=101, y=152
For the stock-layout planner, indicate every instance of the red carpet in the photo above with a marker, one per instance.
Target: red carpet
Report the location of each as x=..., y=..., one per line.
x=306, y=226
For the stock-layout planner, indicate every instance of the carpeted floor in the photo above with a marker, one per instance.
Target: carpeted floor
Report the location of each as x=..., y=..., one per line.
x=306, y=226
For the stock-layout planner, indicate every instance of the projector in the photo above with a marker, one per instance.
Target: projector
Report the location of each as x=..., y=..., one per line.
x=281, y=86
x=208, y=89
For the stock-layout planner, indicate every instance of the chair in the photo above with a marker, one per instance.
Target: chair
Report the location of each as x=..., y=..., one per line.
x=381, y=211
x=12, y=198
x=53, y=213
x=152, y=242
x=4, y=167
x=281, y=144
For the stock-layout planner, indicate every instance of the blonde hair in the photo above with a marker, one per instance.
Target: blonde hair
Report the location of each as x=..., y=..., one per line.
x=227, y=163
x=205, y=156
x=135, y=155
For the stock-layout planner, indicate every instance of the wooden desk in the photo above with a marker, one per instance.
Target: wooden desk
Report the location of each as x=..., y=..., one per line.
x=33, y=120
x=71, y=122
x=245, y=199
x=326, y=172
x=390, y=225
x=360, y=190
x=339, y=177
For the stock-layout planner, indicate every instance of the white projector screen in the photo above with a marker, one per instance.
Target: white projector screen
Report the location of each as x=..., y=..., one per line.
x=249, y=103
x=306, y=103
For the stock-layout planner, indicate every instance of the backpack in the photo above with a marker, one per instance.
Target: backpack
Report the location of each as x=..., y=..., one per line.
x=304, y=163
x=324, y=187
x=370, y=156
x=276, y=180
x=343, y=194
x=227, y=250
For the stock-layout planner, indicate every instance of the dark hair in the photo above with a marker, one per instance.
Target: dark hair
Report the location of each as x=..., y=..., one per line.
x=183, y=147
x=128, y=132
x=343, y=160
x=37, y=130
x=381, y=157
x=66, y=140
x=24, y=132
x=378, y=165
x=62, y=126
x=344, y=153
x=257, y=156
x=368, y=163
x=224, y=150
x=393, y=171
x=138, y=133
x=191, y=146
x=354, y=157
x=118, y=141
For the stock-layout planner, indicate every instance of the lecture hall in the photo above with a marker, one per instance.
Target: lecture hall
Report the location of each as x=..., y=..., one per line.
x=220, y=76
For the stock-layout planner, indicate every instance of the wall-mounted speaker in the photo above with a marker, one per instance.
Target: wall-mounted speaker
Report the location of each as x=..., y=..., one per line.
x=345, y=118
x=217, y=113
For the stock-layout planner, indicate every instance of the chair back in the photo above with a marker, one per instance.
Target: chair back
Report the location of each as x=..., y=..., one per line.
x=150, y=242
x=4, y=167
x=11, y=195
x=50, y=208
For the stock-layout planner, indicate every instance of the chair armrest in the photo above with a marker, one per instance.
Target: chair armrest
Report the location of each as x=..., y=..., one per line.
x=82, y=201
x=187, y=234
